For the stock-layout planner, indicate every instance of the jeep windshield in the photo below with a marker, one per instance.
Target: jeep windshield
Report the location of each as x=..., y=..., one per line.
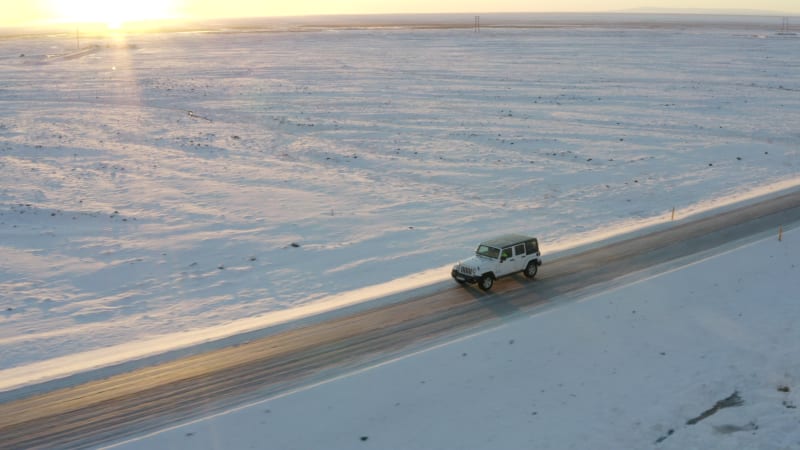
x=487, y=252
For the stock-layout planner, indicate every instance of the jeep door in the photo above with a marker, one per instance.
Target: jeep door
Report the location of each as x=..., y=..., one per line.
x=520, y=257
x=509, y=262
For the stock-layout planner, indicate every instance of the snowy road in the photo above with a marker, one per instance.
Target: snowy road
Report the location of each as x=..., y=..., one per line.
x=148, y=399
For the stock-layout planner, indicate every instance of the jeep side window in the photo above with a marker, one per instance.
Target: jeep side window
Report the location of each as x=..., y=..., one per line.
x=519, y=249
x=532, y=246
x=506, y=253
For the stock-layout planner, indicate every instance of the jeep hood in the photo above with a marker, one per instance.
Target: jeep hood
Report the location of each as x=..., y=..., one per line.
x=473, y=262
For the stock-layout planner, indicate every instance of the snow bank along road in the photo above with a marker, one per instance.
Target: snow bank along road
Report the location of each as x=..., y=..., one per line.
x=147, y=399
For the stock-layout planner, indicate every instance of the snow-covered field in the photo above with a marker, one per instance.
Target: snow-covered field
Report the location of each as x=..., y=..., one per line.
x=158, y=186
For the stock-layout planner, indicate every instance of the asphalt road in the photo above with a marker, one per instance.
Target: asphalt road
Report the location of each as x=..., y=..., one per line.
x=106, y=411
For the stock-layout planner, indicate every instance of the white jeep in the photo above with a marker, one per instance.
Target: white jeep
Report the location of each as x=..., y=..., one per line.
x=504, y=255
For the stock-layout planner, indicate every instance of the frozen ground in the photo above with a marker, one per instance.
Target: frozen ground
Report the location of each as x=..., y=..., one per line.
x=156, y=186
x=702, y=357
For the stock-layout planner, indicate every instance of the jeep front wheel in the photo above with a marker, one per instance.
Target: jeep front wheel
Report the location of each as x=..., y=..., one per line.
x=531, y=269
x=486, y=282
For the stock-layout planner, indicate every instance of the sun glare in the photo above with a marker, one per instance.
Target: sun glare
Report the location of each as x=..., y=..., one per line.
x=112, y=13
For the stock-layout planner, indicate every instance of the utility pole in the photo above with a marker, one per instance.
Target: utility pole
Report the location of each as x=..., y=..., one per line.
x=477, y=27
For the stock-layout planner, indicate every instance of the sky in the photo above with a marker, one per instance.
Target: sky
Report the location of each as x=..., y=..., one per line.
x=117, y=12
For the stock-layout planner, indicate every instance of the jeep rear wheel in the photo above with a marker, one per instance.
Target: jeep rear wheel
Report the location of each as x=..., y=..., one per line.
x=531, y=269
x=486, y=282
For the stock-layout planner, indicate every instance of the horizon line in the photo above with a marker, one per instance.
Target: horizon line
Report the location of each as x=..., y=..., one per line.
x=330, y=19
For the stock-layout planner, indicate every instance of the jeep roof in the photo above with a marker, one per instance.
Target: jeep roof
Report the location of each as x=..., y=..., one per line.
x=506, y=240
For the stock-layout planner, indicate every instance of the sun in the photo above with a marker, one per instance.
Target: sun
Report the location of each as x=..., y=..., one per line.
x=113, y=13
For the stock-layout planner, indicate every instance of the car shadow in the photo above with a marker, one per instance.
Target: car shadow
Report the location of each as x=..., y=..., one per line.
x=496, y=299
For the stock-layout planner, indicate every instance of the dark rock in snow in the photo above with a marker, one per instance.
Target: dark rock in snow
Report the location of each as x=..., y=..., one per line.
x=662, y=438
x=728, y=402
